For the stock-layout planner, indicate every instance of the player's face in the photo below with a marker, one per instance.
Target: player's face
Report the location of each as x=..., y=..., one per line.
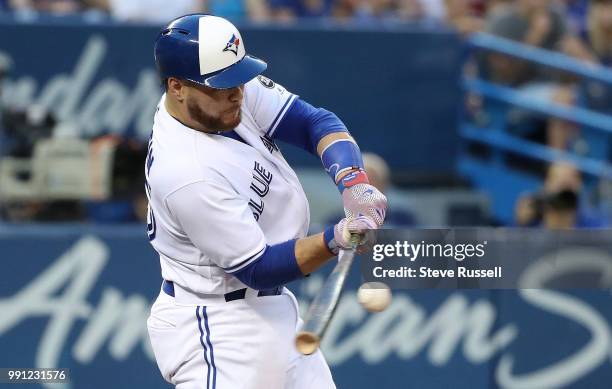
x=214, y=109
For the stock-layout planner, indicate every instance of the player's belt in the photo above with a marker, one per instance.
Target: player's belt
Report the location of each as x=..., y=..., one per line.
x=168, y=288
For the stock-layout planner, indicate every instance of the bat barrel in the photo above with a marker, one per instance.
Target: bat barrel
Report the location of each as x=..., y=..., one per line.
x=322, y=308
x=307, y=342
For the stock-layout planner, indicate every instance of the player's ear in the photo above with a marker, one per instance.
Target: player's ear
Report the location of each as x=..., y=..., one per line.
x=176, y=88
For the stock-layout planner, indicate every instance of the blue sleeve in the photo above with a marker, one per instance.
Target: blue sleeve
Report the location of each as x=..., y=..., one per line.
x=275, y=267
x=304, y=126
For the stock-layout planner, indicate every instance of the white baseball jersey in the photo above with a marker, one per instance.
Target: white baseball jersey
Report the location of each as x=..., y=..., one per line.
x=216, y=202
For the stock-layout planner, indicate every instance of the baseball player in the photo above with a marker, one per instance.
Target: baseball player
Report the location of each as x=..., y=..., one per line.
x=228, y=215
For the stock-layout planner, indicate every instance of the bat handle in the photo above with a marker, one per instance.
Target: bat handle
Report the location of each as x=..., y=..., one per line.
x=355, y=239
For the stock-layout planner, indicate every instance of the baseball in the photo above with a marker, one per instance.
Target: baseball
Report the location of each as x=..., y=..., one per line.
x=374, y=296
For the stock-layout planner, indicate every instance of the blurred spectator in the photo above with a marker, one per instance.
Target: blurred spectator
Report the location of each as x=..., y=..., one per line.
x=376, y=11
x=487, y=8
x=598, y=95
x=381, y=11
x=289, y=10
x=253, y=10
x=162, y=11
x=379, y=176
x=48, y=6
x=576, y=14
x=388, y=10
x=600, y=30
x=433, y=9
x=466, y=16
x=461, y=15
x=378, y=171
x=559, y=205
x=536, y=23
x=348, y=10
x=148, y=11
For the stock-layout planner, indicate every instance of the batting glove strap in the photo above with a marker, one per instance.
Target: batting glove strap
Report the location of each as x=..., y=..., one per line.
x=352, y=179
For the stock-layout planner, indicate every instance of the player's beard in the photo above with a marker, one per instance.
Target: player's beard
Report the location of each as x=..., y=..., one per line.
x=211, y=123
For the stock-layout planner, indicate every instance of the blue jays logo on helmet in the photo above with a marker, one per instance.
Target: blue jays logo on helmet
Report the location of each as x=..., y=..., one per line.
x=232, y=45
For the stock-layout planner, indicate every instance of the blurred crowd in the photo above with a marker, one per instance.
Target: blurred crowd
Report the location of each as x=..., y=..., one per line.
x=466, y=15
x=544, y=23
x=580, y=28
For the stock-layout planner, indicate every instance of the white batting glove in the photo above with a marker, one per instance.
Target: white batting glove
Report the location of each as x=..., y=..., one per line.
x=361, y=227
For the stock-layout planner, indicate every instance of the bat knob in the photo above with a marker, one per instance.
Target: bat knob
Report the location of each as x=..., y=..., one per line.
x=306, y=342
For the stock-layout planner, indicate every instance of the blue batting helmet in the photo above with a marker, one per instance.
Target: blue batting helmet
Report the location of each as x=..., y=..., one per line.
x=207, y=50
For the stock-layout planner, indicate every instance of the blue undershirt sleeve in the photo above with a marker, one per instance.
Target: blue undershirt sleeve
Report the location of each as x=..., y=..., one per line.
x=304, y=126
x=275, y=267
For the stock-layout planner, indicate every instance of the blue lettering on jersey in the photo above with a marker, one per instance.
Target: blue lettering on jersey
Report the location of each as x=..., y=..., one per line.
x=261, y=186
x=269, y=143
x=151, y=226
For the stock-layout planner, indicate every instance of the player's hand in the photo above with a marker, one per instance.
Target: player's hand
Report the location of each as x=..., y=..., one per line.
x=347, y=229
x=365, y=200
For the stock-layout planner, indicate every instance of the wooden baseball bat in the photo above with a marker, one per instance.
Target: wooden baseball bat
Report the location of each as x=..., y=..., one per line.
x=322, y=308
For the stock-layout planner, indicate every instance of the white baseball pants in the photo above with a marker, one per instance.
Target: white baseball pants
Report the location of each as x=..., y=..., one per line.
x=241, y=344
